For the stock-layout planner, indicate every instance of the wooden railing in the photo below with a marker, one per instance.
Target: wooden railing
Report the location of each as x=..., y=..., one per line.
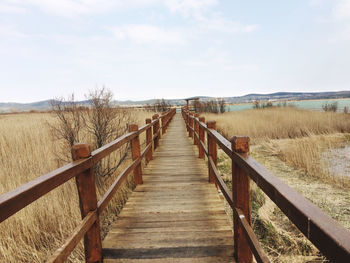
x=82, y=169
x=332, y=239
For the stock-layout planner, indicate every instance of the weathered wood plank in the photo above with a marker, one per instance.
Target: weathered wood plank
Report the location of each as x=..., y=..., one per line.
x=175, y=215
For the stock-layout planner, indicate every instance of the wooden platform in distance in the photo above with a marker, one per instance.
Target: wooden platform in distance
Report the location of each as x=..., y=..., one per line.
x=175, y=215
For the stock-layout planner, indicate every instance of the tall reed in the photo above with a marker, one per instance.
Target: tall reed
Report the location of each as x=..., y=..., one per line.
x=28, y=151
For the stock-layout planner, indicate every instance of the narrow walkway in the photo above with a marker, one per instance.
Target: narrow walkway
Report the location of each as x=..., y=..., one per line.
x=176, y=215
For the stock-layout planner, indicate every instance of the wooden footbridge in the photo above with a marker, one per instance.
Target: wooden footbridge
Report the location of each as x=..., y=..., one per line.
x=175, y=213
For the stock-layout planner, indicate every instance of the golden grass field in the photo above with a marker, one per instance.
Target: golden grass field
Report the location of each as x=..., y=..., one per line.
x=287, y=138
x=299, y=137
x=293, y=144
x=279, y=123
x=27, y=151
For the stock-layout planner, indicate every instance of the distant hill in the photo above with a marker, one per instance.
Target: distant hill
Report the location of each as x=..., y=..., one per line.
x=290, y=96
x=46, y=104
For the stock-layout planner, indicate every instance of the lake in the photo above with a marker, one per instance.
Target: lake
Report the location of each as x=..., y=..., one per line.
x=304, y=104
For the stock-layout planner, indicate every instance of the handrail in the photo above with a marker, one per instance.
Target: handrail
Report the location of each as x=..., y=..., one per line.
x=332, y=239
x=81, y=168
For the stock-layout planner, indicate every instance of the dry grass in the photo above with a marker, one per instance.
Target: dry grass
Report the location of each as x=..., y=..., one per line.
x=299, y=137
x=309, y=154
x=278, y=123
x=293, y=143
x=26, y=152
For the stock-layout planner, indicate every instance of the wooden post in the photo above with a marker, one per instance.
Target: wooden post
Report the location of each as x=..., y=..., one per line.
x=191, y=125
x=201, y=138
x=135, y=150
x=241, y=200
x=196, y=129
x=149, y=141
x=212, y=151
x=164, y=119
x=88, y=202
x=155, y=130
x=187, y=119
x=158, y=128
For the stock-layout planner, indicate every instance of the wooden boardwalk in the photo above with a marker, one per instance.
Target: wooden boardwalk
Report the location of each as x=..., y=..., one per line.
x=175, y=215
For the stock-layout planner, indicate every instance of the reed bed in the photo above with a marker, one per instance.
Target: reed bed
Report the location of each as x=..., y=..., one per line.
x=279, y=123
x=27, y=150
x=296, y=144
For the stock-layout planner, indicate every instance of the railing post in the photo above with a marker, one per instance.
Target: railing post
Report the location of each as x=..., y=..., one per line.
x=196, y=129
x=135, y=152
x=155, y=130
x=88, y=202
x=164, y=119
x=187, y=120
x=212, y=151
x=191, y=125
x=241, y=200
x=162, y=122
x=149, y=141
x=201, y=138
x=158, y=128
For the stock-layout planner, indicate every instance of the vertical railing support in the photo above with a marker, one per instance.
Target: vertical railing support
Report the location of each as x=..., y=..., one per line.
x=155, y=130
x=201, y=138
x=187, y=120
x=241, y=200
x=212, y=150
x=158, y=128
x=162, y=118
x=196, y=129
x=135, y=152
x=191, y=124
x=149, y=141
x=88, y=202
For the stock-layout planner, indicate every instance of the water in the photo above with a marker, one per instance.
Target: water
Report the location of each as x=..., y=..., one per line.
x=303, y=104
x=338, y=161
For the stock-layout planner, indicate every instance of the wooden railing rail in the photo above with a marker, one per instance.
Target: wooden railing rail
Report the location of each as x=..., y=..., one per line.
x=332, y=239
x=82, y=169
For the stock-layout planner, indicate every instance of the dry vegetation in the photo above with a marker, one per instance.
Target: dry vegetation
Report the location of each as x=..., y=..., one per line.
x=279, y=123
x=293, y=144
x=28, y=150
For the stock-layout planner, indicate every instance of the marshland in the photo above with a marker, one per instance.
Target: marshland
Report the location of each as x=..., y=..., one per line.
x=297, y=145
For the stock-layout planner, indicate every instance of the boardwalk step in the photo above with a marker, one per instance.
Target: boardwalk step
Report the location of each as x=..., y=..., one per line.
x=175, y=215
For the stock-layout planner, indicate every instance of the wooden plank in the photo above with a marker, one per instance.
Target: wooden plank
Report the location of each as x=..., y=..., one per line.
x=107, y=149
x=136, y=153
x=175, y=215
x=174, y=252
x=102, y=204
x=241, y=200
x=173, y=260
x=64, y=251
x=85, y=182
x=15, y=200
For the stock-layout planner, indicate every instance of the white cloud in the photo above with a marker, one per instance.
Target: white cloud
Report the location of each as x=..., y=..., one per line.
x=218, y=59
x=72, y=8
x=189, y=7
x=10, y=32
x=148, y=34
x=316, y=2
x=9, y=8
x=222, y=24
x=341, y=10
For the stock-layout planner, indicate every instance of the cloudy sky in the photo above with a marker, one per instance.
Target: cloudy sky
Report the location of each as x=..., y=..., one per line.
x=143, y=49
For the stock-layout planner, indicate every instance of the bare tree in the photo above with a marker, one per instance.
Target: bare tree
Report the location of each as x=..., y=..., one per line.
x=69, y=126
x=222, y=105
x=97, y=123
x=106, y=123
x=161, y=105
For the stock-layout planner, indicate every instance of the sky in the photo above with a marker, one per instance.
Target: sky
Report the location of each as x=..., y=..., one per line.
x=146, y=49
